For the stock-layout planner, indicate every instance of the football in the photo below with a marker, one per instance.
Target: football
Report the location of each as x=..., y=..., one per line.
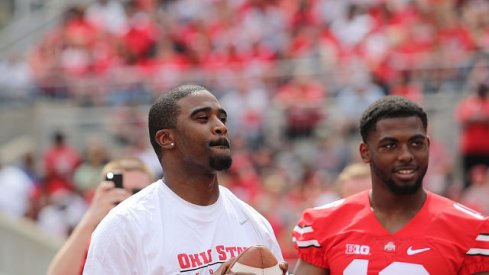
x=258, y=260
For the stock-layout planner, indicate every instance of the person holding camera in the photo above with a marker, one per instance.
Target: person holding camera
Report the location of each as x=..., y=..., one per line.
x=122, y=178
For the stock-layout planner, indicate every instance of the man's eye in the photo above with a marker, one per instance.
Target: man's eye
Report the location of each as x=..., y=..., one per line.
x=389, y=146
x=224, y=119
x=418, y=144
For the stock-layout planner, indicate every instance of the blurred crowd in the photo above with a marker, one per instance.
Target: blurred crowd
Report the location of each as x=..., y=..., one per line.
x=114, y=51
x=294, y=75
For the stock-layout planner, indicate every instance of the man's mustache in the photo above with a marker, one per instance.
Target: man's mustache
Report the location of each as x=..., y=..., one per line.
x=220, y=142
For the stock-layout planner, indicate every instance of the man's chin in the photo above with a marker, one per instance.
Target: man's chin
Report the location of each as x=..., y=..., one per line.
x=404, y=189
x=221, y=163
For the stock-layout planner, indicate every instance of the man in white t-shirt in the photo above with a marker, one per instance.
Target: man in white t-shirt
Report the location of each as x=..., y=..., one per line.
x=185, y=223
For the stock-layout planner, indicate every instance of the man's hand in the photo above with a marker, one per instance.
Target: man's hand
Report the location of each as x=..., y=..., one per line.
x=284, y=266
x=105, y=198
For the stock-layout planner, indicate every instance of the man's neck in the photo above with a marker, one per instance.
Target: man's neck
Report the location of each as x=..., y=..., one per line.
x=394, y=211
x=200, y=190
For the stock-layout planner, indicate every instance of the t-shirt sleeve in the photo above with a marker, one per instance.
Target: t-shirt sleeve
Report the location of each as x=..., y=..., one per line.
x=263, y=229
x=110, y=250
x=307, y=241
x=477, y=256
x=272, y=240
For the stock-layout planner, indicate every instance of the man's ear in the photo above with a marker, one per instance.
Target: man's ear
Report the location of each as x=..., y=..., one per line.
x=165, y=139
x=364, y=152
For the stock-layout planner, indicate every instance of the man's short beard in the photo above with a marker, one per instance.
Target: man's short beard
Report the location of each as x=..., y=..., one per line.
x=396, y=188
x=220, y=163
x=404, y=190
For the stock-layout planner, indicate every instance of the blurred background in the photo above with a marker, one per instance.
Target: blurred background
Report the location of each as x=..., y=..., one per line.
x=77, y=79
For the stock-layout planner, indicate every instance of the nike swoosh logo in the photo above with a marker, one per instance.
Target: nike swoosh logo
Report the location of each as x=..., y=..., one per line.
x=243, y=222
x=411, y=251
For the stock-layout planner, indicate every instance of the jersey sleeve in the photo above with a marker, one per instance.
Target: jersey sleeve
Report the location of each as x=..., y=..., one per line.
x=307, y=242
x=477, y=255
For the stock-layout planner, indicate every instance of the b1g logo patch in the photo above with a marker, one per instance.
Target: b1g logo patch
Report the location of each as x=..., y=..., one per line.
x=357, y=249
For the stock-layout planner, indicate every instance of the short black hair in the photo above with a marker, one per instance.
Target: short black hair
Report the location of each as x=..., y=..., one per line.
x=164, y=111
x=389, y=107
x=58, y=137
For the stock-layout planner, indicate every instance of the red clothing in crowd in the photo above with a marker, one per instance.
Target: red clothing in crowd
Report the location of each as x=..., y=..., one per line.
x=473, y=114
x=60, y=164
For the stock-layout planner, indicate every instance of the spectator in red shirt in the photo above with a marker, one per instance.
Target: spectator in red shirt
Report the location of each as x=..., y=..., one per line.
x=302, y=100
x=473, y=116
x=60, y=161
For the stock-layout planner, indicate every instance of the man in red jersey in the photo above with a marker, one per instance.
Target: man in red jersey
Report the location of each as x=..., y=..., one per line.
x=397, y=227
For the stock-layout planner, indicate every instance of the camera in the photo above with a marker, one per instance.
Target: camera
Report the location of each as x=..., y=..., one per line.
x=115, y=177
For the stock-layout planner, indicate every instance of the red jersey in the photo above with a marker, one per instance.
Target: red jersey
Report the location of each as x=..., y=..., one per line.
x=474, y=135
x=345, y=237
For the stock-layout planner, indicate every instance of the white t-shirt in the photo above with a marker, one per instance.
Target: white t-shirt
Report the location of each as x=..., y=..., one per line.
x=157, y=232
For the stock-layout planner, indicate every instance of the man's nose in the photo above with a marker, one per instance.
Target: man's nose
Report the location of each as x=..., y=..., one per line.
x=405, y=154
x=220, y=128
